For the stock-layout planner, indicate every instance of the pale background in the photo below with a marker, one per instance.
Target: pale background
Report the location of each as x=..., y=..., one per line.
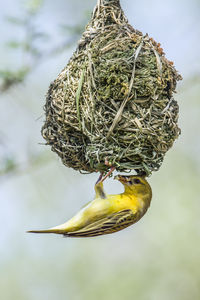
x=156, y=259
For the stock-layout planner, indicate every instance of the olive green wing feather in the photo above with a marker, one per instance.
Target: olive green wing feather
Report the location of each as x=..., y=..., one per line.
x=109, y=224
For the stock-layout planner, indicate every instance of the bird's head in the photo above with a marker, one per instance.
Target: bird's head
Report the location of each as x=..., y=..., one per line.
x=135, y=184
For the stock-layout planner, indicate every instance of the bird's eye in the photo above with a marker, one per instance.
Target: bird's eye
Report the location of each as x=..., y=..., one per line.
x=137, y=181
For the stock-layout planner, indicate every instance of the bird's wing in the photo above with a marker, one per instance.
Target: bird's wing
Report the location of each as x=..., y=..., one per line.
x=106, y=225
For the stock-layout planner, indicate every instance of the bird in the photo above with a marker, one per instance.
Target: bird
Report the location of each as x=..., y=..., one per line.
x=108, y=213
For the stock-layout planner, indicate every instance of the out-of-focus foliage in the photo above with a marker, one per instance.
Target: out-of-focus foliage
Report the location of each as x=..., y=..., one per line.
x=10, y=78
x=31, y=45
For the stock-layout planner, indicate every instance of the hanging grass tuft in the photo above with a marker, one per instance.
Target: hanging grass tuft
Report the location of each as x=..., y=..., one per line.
x=113, y=105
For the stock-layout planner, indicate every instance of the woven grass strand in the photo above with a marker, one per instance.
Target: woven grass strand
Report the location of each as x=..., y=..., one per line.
x=120, y=111
x=113, y=102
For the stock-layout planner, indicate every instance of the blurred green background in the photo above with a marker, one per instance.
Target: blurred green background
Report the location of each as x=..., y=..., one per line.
x=156, y=259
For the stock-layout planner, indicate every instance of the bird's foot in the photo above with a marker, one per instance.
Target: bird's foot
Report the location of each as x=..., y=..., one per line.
x=102, y=178
x=99, y=179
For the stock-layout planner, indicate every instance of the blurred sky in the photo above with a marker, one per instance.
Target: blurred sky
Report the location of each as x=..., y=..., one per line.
x=157, y=258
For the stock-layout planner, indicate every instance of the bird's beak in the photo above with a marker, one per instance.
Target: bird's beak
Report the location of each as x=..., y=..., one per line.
x=121, y=178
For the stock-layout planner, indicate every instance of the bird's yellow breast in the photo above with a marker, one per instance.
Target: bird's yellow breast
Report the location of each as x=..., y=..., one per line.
x=125, y=201
x=100, y=208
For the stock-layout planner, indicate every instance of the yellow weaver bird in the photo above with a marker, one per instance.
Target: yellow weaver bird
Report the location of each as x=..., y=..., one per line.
x=108, y=213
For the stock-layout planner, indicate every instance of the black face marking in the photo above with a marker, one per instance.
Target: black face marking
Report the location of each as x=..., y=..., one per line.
x=129, y=182
x=136, y=181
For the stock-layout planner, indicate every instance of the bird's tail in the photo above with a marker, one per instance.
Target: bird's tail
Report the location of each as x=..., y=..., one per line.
x=58, y=229
x=43, y=231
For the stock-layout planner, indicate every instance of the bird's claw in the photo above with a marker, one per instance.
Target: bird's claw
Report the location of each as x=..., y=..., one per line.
x=102, y=178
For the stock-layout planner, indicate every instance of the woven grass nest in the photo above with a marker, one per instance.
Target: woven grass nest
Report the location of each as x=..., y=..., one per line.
x=113, y=105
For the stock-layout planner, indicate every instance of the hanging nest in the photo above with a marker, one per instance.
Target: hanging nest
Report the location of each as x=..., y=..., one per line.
x=113, y=105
